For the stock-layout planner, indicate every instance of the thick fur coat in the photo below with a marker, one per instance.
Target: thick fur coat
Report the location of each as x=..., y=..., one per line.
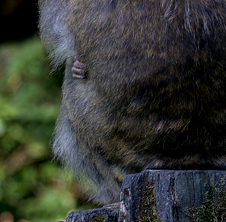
x=155, y=92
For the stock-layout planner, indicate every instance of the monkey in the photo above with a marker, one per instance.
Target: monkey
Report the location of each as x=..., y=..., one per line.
x=155, y=93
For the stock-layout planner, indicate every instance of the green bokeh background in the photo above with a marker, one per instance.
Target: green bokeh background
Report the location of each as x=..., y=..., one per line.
x=32, y=187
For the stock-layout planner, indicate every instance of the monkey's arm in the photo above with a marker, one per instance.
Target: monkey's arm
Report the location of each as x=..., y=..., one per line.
x=54, y=31
x=78, y=69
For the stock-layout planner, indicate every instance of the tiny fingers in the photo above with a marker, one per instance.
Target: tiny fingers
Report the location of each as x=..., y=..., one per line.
x=79, y=65
x=77, y=73
x=78, y=69
x=78, y=76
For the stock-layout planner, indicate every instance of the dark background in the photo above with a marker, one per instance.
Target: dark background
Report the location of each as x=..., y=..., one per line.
x=18, y=19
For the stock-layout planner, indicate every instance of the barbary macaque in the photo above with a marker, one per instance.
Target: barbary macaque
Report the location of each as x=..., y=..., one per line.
x=154, y=96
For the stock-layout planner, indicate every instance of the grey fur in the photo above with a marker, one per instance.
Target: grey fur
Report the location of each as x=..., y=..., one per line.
x=155, y=93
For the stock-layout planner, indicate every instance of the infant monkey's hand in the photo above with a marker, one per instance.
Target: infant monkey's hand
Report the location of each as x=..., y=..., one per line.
x=78, y=69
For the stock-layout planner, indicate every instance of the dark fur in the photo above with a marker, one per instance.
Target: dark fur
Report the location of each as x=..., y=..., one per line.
x=155, y=93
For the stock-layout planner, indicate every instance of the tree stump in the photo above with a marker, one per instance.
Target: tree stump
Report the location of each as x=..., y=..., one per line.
x=109, y=213
x=166, y=196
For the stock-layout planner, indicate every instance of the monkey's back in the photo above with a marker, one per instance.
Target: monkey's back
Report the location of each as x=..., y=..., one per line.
x=156, y=81
x=155, y=92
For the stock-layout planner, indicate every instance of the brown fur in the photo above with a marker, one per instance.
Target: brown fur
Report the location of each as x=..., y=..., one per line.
x=155, y=93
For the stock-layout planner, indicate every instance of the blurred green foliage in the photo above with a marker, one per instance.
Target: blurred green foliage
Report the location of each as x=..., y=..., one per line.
x=32, y=187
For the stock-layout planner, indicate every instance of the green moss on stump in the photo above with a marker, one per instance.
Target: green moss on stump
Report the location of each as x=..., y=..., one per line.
x=213, y=207
x=98, y=219
x=148, y=208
